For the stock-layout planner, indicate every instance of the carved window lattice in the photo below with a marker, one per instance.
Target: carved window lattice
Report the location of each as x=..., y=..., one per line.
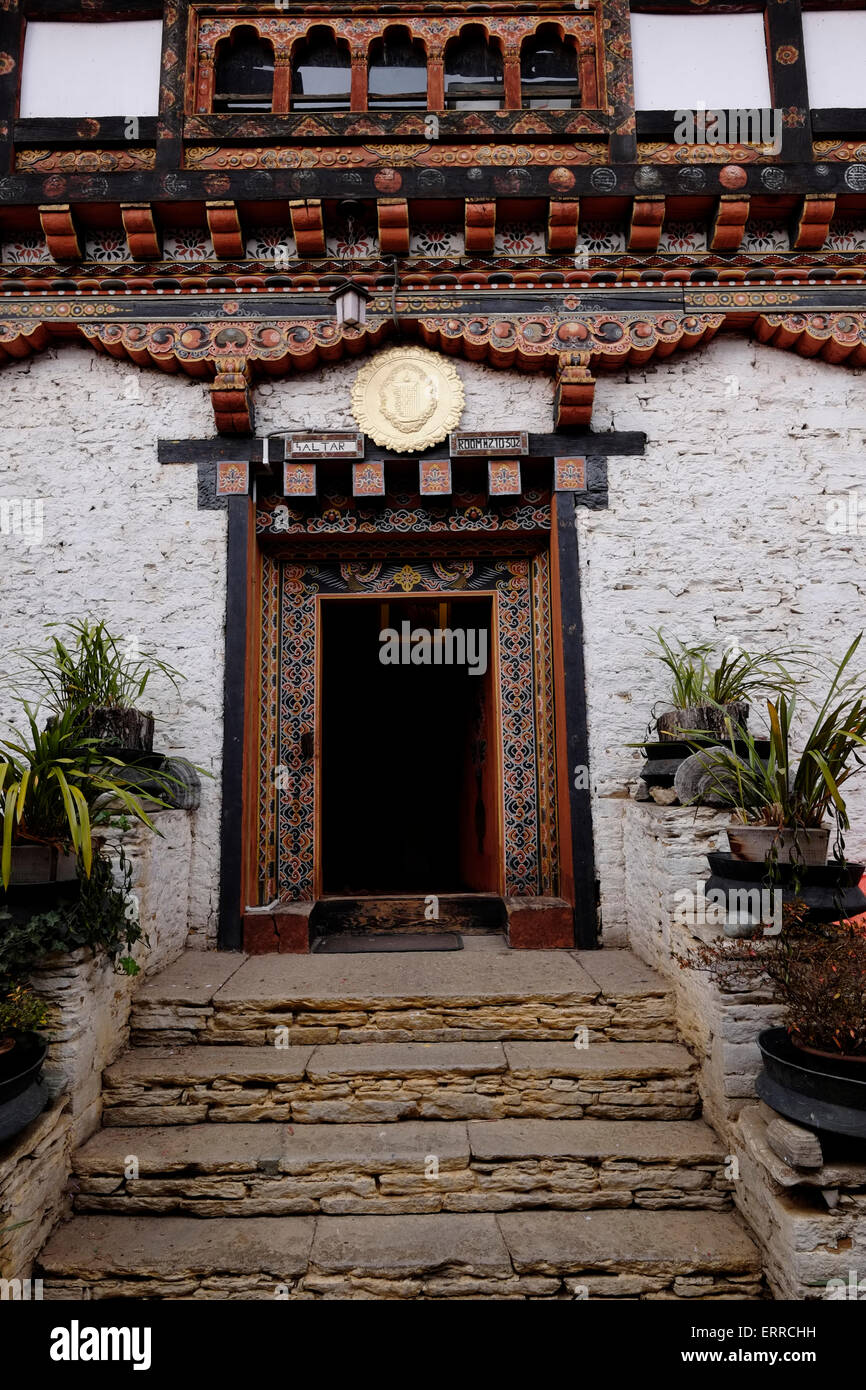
x=397, y=72
x=549, y=71
x=474, y=72
x=244, y=72
x=321, y=73
x=363, y=54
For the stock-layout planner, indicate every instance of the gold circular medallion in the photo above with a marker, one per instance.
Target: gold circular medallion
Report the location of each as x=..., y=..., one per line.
x=407, y=398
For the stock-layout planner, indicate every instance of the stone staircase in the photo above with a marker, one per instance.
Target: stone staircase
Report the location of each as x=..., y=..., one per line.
x=403, y=1126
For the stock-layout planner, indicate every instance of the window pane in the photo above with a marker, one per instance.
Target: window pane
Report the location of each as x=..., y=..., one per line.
x=91, y=69
x=682, y=62
x=397, y=76
x=244, y=79
x=835, y=43
x=321, y=74
x=548, y=71
x=473, y=73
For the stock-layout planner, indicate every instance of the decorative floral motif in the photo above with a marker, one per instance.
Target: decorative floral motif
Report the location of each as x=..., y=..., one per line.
x=84, y=161
x=106, y=245
x=27, y=250
x=601, y=237
x=846, y=234
x=519, y=239
x=765, y=236
x=786, y=54
x=187, y=244
x=271, y=244
x=436, y=240
x=683, y=237
x=352, y=240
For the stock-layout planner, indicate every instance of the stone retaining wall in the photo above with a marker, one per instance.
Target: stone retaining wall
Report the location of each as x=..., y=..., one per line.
x=89, y=1028
x=665, y=850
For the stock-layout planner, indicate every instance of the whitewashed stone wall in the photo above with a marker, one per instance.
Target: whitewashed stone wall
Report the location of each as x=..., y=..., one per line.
x=122, y=539
x=718, y=530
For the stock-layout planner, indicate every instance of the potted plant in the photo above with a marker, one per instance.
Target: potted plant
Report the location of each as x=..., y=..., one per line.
x=51, y=780
x=815, y=1067
x=22, y=1053
x=91, y=673
x=780, y=815
x=709, y=694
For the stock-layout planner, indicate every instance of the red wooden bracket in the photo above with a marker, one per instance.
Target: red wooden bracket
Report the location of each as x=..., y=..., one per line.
x=562, y=223
x=647, y=218
x=308, y=227
x=729, y=222
x=60, y=232
x=480, y=225
x=575, y=388
x=224, y=224
x=813, y=223
x=231, y=396
x=393, y=226
x=141, y=233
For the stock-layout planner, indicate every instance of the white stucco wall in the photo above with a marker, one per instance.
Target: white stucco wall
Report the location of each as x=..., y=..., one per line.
x=718, y=530
x=122, y=539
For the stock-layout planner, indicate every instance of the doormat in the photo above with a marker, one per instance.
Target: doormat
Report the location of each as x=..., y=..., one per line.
x=359, y=943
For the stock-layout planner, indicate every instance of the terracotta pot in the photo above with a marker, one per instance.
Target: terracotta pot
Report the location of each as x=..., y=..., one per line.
x=35, y=864
x=760, y=844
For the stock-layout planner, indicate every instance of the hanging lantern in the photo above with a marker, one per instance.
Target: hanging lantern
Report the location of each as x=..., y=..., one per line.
x=350, y=303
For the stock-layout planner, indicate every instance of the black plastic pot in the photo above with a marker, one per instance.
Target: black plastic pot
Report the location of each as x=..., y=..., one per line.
x=830, y=891
x=23, y=1095
x=179, y=787
x=663, y=759
x=823, y=1092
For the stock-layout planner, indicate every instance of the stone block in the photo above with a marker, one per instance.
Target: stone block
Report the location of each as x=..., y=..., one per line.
x=539, y=924
x=284, y=928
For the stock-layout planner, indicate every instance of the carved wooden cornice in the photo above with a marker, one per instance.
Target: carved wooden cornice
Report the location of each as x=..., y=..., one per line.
x=574, y=348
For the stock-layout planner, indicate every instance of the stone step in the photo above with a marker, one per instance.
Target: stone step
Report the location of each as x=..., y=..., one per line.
x=547, y=1254
x=492, y=994
x=377, y=1082
x=409, y=1167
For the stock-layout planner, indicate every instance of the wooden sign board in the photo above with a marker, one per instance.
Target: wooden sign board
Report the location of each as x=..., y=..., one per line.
x=347, y=444
x=481, y=444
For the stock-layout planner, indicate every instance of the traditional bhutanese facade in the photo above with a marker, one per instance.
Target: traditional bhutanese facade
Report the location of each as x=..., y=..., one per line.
x=623, y=247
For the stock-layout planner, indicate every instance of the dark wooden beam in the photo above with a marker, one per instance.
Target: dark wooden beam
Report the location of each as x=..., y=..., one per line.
x=56, y=132
x=94, y=10
x=844, y=121
x=786, y=51
x=586, y=917
x=234, y=723
x=172, y=81
x=170, y=183
x=591, y=445
x=11, y=33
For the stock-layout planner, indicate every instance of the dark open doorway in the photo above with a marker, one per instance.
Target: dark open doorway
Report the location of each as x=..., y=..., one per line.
x=409, y=777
